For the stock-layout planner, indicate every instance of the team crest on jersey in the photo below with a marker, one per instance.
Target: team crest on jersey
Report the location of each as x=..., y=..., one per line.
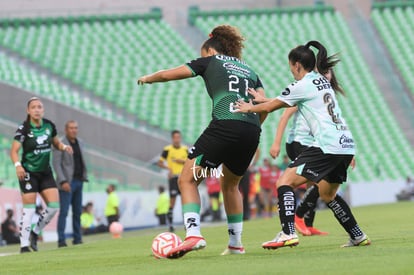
x=47, y=132
x=28, y=186
x=30, y=134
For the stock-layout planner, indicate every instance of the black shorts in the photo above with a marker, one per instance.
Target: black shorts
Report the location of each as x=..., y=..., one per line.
x=230, y=142
x=173, y=187
x=294, y=149
x=314, y=165
x=36, y=182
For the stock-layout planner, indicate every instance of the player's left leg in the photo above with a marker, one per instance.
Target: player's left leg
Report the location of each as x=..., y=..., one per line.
x=190, y=199
x=342, y=213
x=233, y=204
x=51, y=197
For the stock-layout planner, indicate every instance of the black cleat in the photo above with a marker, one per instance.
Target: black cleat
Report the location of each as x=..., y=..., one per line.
x=171, y=229
x=33, y=240
x=63, y=244
x=25, y=249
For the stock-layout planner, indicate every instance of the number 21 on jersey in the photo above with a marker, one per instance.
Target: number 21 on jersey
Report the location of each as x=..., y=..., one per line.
x=234, y=86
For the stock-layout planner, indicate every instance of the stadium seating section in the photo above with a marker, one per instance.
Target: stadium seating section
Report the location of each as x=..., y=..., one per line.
x=106, y=54
x=395, y=24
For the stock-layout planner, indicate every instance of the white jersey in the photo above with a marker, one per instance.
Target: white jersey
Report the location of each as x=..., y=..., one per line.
x=300, y=131
x=317, y=103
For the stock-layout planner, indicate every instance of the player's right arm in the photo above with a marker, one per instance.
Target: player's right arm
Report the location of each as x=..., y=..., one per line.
x=14, y=156
x=275, y=148
x=177, y=73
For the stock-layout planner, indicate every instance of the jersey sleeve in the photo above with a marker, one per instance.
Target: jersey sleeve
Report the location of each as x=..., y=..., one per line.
x=54, y=131
x=164, y=154
x=198, y=66
x=19, y=135
x=293, y=94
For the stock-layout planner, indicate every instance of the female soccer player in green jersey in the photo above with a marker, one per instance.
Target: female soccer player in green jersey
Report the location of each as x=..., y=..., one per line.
x=326, y=163
x=35, y=136
x=230, y=139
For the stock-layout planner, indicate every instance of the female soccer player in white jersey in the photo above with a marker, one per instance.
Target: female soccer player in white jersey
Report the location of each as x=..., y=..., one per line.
x=231, y=138
x=325, y=164
x=297, y=141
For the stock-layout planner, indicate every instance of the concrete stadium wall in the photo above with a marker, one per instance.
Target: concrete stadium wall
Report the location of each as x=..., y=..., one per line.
x=94, y=130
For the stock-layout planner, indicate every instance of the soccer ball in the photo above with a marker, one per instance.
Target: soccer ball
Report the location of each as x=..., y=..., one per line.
x=163, y=243
x=116, y=229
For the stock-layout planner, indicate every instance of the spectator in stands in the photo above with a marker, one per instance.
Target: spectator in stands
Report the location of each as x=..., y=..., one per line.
x=70, y=172
x=9, y=229
x=112, y=205
x=163, y=206
x=88, y=221
x=408, y=191
x=275, y=175
x=245, y=185
x=265, y=187
x=172, y=158
x=36, y=136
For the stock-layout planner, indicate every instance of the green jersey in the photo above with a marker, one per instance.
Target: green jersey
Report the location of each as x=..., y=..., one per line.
x=36, y=143
x=227, y=80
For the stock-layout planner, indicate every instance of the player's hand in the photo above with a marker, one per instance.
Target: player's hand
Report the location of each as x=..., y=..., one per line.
x=257, y=97
x=20, y=172
x=274, y=151
x=65, y=186
x=142, y=80
x=242, y=106
x=353, y=163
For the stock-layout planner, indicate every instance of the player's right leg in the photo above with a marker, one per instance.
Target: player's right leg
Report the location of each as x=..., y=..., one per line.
x=29, y=208
x=190, y=199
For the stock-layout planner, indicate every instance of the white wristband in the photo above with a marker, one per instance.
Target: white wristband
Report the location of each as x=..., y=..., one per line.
x=17, y=163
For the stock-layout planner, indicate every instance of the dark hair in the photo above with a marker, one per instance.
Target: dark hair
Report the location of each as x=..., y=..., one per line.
x=175, y=132
x=161, y=189
x=225, y=39
x=334, y=83
x=305, y=56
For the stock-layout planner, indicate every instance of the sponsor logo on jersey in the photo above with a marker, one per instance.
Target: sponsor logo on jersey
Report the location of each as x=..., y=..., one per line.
x=30, y=134
x=41, y=151
x=346, y=142
x=309, y=171
x=286, y=92
x=322, y=83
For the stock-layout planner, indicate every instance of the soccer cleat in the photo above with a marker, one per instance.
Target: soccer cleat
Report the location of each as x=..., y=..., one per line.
x=25, y=249
x=62, y=244
x=282, y=240
x=315, y=231
x=361, y=241
x=33, y=240
x=233, y=250
x=301, y=226
x=171, y=229
x=190, y=244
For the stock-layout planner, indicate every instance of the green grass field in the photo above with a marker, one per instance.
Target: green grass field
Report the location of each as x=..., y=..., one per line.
x=390, y=227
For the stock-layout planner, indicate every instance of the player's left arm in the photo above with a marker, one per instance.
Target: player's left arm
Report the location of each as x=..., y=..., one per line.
x=61, y=146
x=177, y=73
